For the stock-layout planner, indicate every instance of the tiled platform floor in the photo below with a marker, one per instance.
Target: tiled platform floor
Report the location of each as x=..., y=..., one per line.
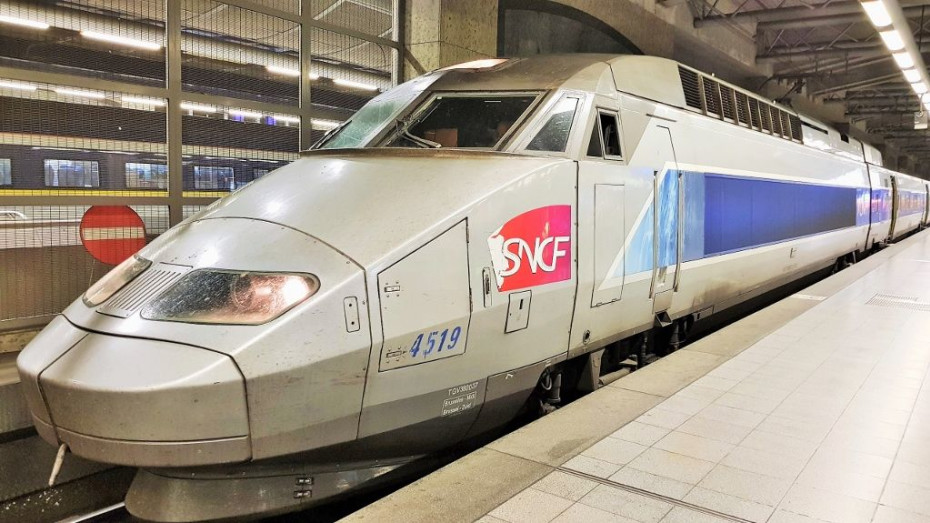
x=825, y=419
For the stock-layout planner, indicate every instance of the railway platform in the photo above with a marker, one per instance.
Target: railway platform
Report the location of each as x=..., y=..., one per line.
x=812, y=409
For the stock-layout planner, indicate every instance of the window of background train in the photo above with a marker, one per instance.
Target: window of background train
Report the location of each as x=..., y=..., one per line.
x=554, y=134
x=72, y=173
x=146, y=176
x=212, y=177
x=6, y=172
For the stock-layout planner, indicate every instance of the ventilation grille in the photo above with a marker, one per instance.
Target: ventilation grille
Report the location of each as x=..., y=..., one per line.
x=689, y=84
x=726, y=99
x=795, y=123
x=142, y=289
x=766, y=117
x=899, y=302
x=710, y=94
x=712, y=98
x=741, y=108
x=754, y=112
x=776, y=120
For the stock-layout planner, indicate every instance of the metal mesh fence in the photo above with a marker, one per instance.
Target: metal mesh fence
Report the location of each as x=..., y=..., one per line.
x=63, y=140
x=230, y=51
x=122, y=40
x=45, y=262
x=225, y=148
x=85, y=115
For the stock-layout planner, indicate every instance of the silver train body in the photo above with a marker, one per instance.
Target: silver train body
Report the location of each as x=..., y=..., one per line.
x=427, y=290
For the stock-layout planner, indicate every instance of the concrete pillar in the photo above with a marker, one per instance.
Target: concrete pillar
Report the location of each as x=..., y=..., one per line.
x=446, y=32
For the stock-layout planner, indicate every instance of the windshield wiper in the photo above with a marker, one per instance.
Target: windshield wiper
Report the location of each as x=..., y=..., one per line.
x=422, y=142
x=329, y=135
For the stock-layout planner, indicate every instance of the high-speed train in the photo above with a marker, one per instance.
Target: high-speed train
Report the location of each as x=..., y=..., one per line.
x=475, y=240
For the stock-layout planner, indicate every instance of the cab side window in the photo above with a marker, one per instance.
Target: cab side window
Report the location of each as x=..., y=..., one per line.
x=611, y=133
x=605, y=137
x=554, y=134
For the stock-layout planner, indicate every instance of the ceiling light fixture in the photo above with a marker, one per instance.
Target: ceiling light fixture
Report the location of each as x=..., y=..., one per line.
x=286, y=118
x=21, y=86
x=903, y=59
x=244, y=114
x=892, y=39
x=912, y=76
x=877, y=12
x=155, y=102
x=355, y=85
x=187, y=106
x=23, y=22
x=67, y=91
x=284, y=71
x=324, y=124
x=121, y=40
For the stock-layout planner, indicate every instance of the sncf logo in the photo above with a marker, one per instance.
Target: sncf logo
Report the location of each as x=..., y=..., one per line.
x=533, y=248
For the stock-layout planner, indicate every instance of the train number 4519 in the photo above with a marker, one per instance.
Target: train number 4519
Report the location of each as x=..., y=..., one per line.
x=437, y=341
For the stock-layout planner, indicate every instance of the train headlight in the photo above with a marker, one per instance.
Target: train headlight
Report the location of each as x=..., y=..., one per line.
x=231, y=297
x=115, y=280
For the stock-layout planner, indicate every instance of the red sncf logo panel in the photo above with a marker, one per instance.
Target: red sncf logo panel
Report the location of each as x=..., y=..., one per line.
x=533, y=248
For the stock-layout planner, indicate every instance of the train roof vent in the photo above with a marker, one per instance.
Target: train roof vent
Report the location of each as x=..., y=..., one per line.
x=689, y=84
x=741, y=108
x=711, y=95
x=766, y=117
x=142, y=289
x=726, y=99
x=754, y=113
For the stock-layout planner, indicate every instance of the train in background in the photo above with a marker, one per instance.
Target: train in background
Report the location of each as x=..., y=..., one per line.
x=475, y=242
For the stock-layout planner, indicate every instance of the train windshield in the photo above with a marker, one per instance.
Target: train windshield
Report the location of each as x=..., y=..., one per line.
x=462, y=120
x=374, y=116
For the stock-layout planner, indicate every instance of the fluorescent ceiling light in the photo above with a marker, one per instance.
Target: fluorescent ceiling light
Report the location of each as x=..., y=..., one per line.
x=155, y=102
x=355, y=85
x=325, y=124
x=22, y=86
x=911, y=75
x=903, y=59
x=477, y=64
x=244, y=114
x=286, y=118
x=285, y=71
x=23, y=22
x=892, y=40
x=79, y=92
x=314, y=76
x=877, y=13
x=920, y=88
x=187, y=106
x=121, y=40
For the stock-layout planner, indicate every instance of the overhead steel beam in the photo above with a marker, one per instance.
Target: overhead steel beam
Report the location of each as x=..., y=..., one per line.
x=792, y=13
x=850, y=49
x=870, y=114
x=809, y=21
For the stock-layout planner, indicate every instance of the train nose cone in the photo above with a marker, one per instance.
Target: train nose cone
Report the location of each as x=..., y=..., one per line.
x=147, y=403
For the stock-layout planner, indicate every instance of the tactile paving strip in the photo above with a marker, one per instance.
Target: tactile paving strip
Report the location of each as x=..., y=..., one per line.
x=900, y=302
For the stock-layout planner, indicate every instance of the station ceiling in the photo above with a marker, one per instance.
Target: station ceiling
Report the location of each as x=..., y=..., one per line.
x=831, y=51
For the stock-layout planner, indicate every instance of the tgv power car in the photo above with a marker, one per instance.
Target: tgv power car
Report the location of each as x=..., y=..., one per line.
x=412, y=280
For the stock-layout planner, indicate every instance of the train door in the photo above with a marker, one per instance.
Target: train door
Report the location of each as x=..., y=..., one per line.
x=894, y=207
x=666, y=219
x=926, y=216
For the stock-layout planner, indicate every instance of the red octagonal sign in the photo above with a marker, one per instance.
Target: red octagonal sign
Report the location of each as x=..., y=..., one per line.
x=112, y=233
